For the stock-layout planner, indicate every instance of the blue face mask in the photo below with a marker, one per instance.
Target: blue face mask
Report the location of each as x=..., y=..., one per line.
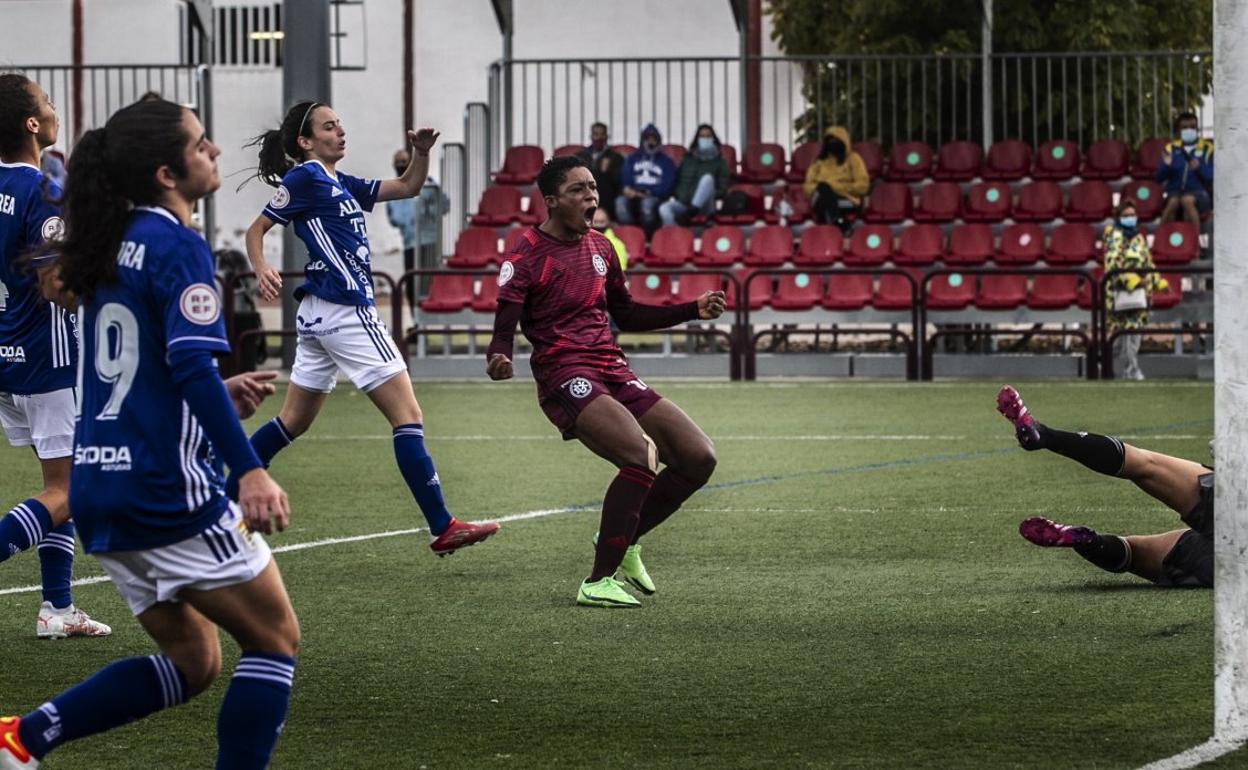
x=1128, y=223
x=1188, y=135
x=706, y=144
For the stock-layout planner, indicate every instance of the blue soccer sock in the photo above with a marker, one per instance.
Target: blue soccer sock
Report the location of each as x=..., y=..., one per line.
x=56, y=565
x=271, y=438
x=254, y=711
x=117, y=694
x=23, y=527
x=422, y=478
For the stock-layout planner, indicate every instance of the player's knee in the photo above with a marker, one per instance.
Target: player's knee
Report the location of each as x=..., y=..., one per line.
x=200, y=667
x=701, y=464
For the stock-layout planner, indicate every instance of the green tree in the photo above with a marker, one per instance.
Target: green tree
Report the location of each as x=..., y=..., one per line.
x=870, y=66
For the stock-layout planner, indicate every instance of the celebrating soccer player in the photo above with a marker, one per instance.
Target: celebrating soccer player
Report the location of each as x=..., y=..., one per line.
x=38, y=355
x=338, y=325
x=560, y=283
x=1181, y=557
x=146, y=490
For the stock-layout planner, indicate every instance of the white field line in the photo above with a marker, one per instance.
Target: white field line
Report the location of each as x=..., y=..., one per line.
x=829, y=437
x=1196, y=756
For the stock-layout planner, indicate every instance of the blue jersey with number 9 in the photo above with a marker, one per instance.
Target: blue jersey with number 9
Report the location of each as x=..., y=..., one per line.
x=144, y=473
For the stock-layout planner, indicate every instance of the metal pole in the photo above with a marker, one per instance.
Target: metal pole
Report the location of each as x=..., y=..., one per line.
x=305, y=75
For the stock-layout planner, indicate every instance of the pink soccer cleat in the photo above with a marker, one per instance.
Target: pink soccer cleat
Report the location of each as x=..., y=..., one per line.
x=460, y=534
x=1049, y=534
x=1010, y=405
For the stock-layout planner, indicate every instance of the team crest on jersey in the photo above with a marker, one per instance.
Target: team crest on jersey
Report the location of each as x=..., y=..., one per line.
x=53, y=228
x=505, y=274
x=280, y=198
x=579, y=387
x=600, y=265
x=200, y=304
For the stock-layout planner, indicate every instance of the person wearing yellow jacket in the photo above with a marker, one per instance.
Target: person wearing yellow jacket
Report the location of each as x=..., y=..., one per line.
x=1128, y=294
x=837, y=181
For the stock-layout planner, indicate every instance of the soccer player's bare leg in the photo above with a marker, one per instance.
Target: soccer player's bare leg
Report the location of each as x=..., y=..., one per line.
x=1171, y=480
x=689, y=456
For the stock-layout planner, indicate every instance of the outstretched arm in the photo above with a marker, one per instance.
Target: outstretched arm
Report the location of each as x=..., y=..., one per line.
x=408, y=185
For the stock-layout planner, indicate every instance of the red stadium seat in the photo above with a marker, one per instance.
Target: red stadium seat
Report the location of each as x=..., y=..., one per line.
x=729, y=154
x=567, y=149
x=889, y=203
x=1038, y=202
x=1008, y=160
x=1107, y=159
x=1021, y=245
x=958, y=161
x=475, y=247
x=1148, y=158
x=498, y=206
x=1053, y=292
x=755, y=207
x=847, y=292
x=893, y=291
x=690, y=287
x=634, y=239
x=869, y=246
x=1090, y=201
x=535, y=213
x=909, y=161
x=805, y=154
x=520, y=165
x=1175, y=243
x=624, y=149
x=1001, y=292
x=770, y=246
x=651, y=289
x=819, y=246
x=988, y=202
x=676, y=152
x=760, y=289
x=950, y=292
x=671, y=246
x=762, y=164
x=1074, y=243
x=1171, y=296
x=1084, y=300
x=920, y=245
x=1057, y=159
x=872, y=157
x=721, y=245
x=486, y=300
x=1149, y=198
x=939, y=202
x=799, y=205
x=797, y=292
x=448, y=294
x=969, y=246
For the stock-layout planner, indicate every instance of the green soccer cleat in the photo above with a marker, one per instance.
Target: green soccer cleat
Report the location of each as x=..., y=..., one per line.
x=605, y=593
x=634, y=571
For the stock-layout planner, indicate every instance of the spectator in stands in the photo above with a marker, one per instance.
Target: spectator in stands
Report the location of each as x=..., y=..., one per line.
x=648, y=177
x=1186, y=169
x=1127, y=294
x=419, y=219
x=602, y=223
x=605, y=164
x=702, y=178
x=837, y=180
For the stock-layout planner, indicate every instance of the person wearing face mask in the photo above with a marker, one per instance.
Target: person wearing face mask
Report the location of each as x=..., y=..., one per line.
x=647, y=178
x=1127, y=294
x=419, y=219
x=1186, y=170
x=837, y=181
x=605, y=164
x=702, y=178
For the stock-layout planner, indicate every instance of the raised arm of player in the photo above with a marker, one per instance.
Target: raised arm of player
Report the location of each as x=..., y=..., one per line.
x=268, y=280
x=408, y=185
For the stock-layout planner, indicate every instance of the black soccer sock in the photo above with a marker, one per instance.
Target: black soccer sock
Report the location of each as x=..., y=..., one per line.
x=1103, y=454
x=1109, y=552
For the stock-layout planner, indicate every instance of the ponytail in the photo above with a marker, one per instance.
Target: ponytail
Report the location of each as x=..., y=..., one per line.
x=279, y=147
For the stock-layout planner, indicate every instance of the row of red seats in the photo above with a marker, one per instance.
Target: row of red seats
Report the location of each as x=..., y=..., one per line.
x=1040, y=201
x=1174, y=243
x=959, y=161
x=841, y=292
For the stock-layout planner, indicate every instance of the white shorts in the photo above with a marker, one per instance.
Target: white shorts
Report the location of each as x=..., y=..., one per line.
x=225, y=554
x=43, y=420
x=347, y=337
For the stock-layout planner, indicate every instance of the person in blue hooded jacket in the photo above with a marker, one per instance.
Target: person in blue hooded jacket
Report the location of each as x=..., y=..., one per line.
x=647, y=179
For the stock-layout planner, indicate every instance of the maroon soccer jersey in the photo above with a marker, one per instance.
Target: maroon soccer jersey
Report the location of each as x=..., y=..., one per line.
x=566, y=290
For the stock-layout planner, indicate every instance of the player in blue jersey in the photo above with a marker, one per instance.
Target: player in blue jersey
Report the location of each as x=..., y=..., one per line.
x=38, y=355
x=155, y=423
x=338, y=325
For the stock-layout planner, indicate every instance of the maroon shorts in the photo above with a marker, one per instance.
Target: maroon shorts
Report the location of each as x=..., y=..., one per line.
x=564, y=397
